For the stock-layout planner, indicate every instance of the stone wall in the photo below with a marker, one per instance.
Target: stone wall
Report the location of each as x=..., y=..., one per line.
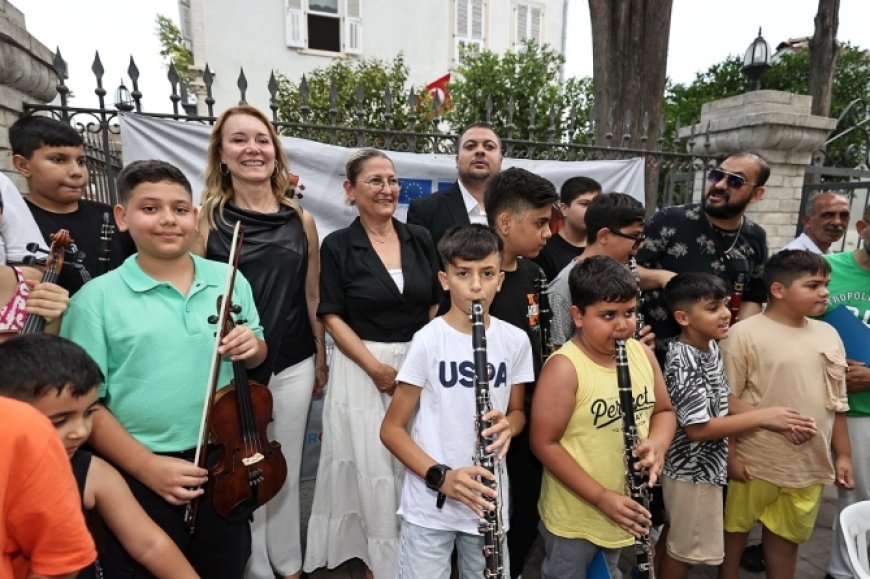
x=26, y=76
x=778, y=126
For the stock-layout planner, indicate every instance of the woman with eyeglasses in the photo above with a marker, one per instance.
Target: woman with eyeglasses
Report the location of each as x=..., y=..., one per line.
x=378, y=286
x=246, y=180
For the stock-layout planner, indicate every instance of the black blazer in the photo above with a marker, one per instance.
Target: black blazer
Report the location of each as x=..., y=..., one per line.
x=439, y=211
x=355, y=285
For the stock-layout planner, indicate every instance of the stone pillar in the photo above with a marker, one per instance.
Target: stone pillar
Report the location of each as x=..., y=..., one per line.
x=25, y=76
x=778, y=126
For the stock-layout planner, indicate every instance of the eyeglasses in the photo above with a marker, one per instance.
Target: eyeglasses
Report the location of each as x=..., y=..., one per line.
x=637, y=239
x=377, y=184
x=733, y=180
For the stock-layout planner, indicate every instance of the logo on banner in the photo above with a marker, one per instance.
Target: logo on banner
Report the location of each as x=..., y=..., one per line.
x=414, y=189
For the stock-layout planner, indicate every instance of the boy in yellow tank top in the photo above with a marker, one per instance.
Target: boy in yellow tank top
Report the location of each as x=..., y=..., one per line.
x=576, y=426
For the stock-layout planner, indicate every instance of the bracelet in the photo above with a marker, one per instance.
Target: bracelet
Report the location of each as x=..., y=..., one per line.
x=318, y=340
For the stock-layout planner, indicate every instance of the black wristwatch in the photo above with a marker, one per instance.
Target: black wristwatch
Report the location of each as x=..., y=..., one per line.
x=435, y=477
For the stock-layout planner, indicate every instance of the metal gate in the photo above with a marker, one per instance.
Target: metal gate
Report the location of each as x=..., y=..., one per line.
x=672, y=168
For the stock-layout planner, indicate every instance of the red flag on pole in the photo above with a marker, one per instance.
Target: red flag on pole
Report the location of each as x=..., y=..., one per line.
x=438, y=88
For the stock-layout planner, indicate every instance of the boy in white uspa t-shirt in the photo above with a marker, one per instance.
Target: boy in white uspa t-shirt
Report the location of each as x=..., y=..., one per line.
x=442, y=497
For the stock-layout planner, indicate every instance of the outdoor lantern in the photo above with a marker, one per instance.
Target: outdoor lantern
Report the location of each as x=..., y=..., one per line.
x=756, y=61
x=123, y=100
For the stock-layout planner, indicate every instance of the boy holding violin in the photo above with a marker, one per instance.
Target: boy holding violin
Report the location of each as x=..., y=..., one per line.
x=146, y=324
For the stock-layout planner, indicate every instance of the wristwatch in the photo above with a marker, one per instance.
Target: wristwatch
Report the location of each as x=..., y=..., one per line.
x=435, y=477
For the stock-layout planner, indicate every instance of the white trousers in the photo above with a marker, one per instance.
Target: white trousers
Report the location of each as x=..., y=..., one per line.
x=275, y=536
x=859, y=436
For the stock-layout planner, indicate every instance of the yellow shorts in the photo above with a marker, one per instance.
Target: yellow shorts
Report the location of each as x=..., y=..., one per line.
x=790, y=513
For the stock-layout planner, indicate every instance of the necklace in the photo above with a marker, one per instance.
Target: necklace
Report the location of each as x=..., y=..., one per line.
x=382, y=239
x=717, y=230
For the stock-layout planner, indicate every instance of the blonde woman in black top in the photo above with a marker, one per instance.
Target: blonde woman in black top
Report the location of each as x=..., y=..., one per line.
x=246, y=180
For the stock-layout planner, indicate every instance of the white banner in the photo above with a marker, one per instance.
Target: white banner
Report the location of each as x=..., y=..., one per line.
x=321, y=167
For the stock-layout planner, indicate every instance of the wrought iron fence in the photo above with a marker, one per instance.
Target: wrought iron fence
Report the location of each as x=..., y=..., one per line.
x=672, y=168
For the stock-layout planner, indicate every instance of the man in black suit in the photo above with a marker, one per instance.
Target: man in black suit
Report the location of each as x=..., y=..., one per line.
x=477, y=159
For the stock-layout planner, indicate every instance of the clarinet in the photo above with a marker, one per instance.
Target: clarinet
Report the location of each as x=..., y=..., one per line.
x=545, y=315
x=632, y=265
x=490, y=525
x=107, y=230
x=635, y=484
x=736, y=297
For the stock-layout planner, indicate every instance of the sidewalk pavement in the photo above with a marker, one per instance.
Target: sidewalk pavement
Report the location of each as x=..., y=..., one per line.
x=812, y=556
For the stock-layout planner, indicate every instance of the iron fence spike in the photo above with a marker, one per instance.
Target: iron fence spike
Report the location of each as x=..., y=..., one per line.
x=59, y=65
x=133, y=70
x=97, y=67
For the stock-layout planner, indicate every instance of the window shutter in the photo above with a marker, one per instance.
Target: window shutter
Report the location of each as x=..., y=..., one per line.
x=528, y=24
x=294, y=23
x=353, y=26
x=521, y=25
x=469, y=27
x=536, y=24
x=476, y=20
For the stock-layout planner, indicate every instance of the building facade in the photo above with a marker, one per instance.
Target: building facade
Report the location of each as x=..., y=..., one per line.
x=293, y=37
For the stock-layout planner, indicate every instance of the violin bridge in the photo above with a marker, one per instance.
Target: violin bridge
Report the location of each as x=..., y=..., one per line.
x=254, y=459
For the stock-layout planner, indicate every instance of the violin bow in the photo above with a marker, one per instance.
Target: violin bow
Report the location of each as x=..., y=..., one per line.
x=214, y=371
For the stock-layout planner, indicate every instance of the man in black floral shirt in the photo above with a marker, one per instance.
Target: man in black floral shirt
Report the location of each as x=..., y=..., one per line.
x=713, y=236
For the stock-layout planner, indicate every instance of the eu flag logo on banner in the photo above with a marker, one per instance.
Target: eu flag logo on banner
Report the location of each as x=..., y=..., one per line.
x=414, y=189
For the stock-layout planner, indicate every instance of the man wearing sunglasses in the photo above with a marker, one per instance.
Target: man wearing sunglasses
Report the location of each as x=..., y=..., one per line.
x=825, y=223
x=713, y=236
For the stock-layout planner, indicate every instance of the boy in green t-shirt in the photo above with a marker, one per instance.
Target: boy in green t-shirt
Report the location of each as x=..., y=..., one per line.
x=146, y=324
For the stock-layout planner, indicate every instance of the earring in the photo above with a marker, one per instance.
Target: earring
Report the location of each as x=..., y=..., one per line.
x=275, y=172
x=224, y=169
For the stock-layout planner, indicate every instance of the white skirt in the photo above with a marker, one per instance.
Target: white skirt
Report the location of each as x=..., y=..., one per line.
x=359, y=482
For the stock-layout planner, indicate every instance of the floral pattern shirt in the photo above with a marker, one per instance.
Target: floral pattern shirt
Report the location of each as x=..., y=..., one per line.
x=680, y=239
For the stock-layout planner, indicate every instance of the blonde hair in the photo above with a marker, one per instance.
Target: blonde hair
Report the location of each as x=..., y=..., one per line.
x=218, y=187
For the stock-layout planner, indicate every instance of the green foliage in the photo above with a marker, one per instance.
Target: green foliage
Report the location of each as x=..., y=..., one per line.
x=373, y=76
x=789, y=74
x=174, y=49
x=529, y=78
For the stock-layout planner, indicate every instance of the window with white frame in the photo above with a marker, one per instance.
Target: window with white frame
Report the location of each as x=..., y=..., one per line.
x=328, y=25
x=469, y=27
x=528, y=23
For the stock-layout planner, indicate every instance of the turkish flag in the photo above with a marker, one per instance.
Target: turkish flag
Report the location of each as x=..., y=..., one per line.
x=439, y=87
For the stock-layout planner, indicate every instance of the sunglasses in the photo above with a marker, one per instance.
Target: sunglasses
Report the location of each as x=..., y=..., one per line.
x=733, y=180
x=637, y=239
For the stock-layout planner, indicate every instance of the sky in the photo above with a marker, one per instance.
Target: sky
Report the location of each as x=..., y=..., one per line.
x=703, y=32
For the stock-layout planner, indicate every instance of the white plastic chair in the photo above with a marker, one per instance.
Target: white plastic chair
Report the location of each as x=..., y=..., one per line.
x=855, y=524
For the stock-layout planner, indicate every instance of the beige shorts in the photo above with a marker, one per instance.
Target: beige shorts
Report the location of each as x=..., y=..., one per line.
x=695, y=514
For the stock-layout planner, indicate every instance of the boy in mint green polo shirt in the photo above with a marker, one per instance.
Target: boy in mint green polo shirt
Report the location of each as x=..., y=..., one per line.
x=146, y=325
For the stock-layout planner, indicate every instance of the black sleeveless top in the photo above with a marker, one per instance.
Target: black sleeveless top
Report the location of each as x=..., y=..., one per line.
x=275, y=261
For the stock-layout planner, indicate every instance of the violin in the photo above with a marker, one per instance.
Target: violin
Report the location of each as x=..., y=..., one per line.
x=251, y=469
x=60, y=241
